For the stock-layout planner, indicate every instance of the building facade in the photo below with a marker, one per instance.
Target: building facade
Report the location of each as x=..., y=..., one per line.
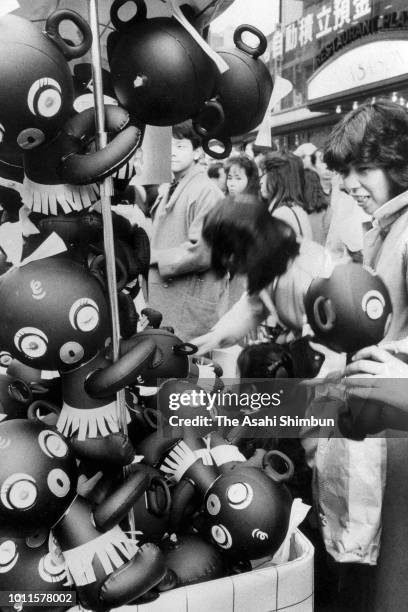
x=337, y=53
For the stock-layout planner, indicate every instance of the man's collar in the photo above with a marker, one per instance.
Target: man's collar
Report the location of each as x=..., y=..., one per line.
x=181, y=184
x=192, y=170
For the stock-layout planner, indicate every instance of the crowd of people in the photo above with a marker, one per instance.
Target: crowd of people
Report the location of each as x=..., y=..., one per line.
x=295, y=187
x=236, y=242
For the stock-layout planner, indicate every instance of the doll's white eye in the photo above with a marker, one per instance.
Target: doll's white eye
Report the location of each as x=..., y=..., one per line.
x=50, y=571
x=8, y=556
x=31, y=341
x=44, y=97
x=221, y=536
x=58, y=482
x=84, y=315
x=18, y=492
x=373, y=304
x=240, y=495
x=52, y=444
x=213, y=504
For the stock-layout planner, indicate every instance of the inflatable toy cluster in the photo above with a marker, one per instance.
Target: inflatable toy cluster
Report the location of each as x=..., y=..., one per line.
x=69, y=518
x=96, y=500
x=63, y=502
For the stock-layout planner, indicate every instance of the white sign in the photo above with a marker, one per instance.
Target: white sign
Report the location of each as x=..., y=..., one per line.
x=8, y=6
x=367, y=64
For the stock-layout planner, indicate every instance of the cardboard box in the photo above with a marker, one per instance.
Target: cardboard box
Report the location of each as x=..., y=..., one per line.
x=270, y=588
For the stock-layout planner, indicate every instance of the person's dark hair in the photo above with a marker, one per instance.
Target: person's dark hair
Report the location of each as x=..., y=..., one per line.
x=250, y=168
x=376, y=133
x=315, y=198
x=246, y=239
x=185, y=130
x=214, y=168
x=285, y=179
x=313, y=158
x=265, y=360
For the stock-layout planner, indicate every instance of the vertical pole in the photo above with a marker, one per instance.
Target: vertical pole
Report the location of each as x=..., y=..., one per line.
x=106, y=191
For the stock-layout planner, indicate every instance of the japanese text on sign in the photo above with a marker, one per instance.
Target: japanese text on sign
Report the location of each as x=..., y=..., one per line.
x=330, y=17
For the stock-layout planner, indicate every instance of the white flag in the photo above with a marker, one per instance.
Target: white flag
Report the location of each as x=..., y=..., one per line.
x=281, y=89
x=217, y=59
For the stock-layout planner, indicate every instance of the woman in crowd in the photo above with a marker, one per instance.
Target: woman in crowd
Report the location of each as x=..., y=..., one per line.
x=279, y=267
x=242, y=177
x=317, y=206
x=282, y=189
x=369, y=147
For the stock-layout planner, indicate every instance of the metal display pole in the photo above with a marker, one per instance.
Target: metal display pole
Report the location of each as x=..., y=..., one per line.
x=106, y=191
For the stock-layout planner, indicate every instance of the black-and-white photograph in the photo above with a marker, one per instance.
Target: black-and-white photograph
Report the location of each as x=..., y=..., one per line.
x=203, y=305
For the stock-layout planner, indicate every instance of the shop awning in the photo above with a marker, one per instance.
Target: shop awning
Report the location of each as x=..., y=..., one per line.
x=295, y=119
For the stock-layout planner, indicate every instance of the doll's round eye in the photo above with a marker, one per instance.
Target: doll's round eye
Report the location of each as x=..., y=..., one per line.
x=84, y=315
x=52, y=444
x=51, y=566
x=51, y=571
x=221, y=536
x=213, y=504
x=8, y=556
x=373, y=304
x=44, y=98
x=18, y=492
x=239, y=495
x=58, y=482
x=31, y=341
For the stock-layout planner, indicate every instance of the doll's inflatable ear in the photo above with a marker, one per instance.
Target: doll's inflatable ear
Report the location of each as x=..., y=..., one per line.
x=278, y=466
x=52, y=32
x=158, y=496
x=126, y=26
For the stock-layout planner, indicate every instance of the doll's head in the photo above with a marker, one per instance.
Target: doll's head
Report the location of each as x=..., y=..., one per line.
x=37, y=476
x=55, y=314
x=36, y=96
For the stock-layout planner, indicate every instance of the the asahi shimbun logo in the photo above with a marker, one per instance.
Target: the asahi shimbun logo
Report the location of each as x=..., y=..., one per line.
x=37, y=290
